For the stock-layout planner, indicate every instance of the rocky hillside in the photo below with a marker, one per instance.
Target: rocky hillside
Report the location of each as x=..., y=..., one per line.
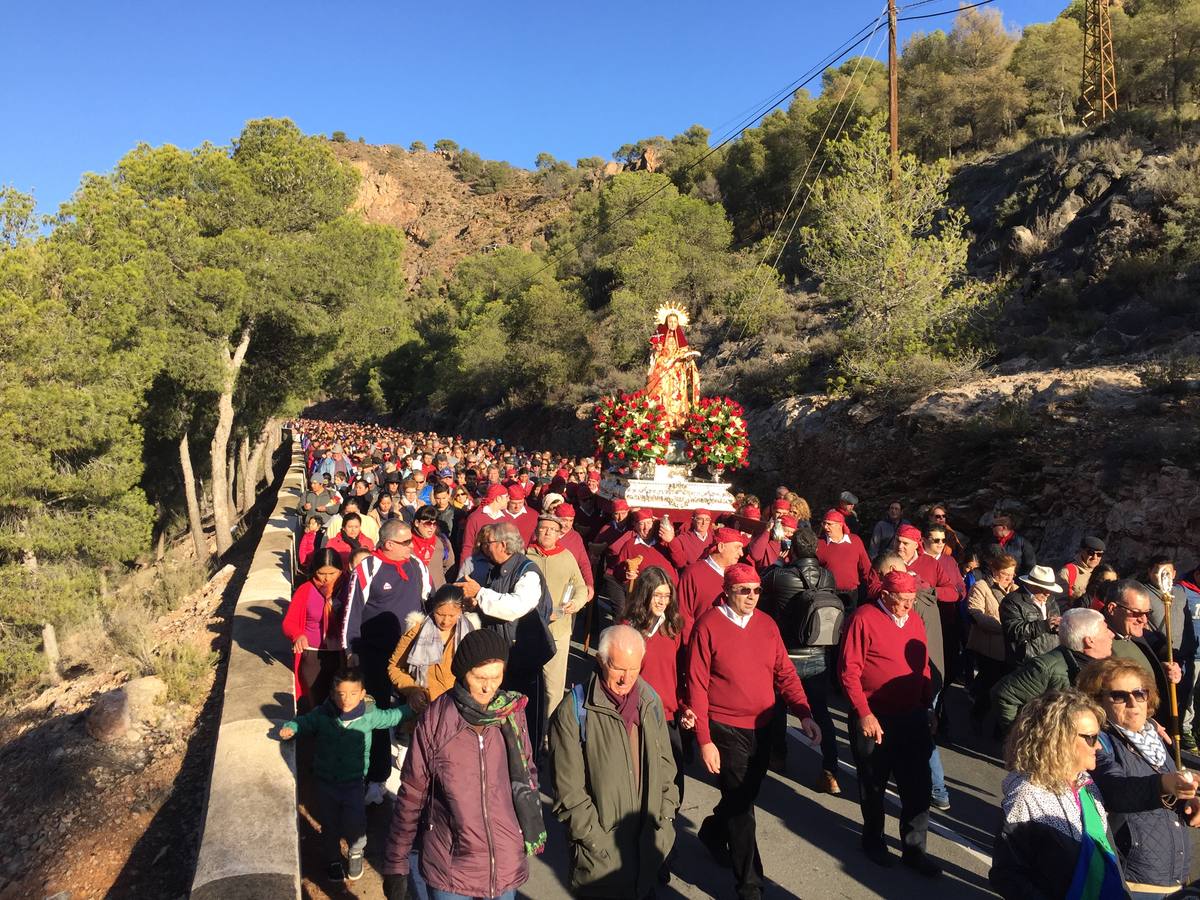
x=443, y=219
x=1086, y=418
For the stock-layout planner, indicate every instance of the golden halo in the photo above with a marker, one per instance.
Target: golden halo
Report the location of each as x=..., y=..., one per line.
x=665, y=311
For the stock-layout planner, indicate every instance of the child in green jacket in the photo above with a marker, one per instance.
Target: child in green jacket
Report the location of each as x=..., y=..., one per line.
x=343, y=726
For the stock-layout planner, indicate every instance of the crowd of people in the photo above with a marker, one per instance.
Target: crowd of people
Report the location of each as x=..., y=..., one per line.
x=443, y=581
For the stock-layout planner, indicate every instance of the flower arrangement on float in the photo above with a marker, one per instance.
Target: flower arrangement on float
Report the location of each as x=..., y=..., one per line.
x=715, y=434
x=631, y=429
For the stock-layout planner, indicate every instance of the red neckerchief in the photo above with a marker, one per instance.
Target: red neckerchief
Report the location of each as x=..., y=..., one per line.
x=1008, y=537
x=424, y=547
x=544, y=552
x=399, y=567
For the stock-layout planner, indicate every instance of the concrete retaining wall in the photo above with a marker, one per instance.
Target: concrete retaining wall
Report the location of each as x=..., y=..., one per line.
x=250, y=847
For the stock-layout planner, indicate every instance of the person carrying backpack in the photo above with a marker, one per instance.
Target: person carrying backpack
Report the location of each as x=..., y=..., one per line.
x=801, y=596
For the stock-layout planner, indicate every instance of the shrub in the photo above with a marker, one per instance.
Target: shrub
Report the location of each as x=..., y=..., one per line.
x=130, y=627
x=184, y=668
x=339, y=136
x=417, y=147
x=445, y=145
x=1169, y=374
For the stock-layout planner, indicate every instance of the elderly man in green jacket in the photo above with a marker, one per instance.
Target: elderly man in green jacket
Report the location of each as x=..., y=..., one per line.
x=614, y=775
x=1083, y=635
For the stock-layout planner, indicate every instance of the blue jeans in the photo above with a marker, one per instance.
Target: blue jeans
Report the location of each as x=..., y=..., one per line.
x=417, y=888
x=435, y=894
x=938, y=775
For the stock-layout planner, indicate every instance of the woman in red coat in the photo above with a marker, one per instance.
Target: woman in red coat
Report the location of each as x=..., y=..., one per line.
x=308, y=624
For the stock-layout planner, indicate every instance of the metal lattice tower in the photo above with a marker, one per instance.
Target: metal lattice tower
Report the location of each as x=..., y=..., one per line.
x=1099, y=92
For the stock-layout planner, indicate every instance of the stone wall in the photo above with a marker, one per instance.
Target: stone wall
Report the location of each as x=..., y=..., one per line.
x=250, y=847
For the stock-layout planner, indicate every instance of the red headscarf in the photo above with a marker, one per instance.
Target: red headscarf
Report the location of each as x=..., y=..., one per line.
x=899, y=582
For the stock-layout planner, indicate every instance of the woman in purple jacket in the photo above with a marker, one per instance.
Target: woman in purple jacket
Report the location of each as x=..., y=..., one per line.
x=469, y=786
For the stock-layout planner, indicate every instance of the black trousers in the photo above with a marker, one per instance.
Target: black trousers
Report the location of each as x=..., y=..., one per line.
x=902, y=757
x=951, y=640
x=815, y=679
x=744, y=756
x=317, y=668
x=375, y=679
x=989, y=672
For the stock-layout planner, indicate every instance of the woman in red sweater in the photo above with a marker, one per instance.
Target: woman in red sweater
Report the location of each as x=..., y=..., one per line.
x=308, y=623
x=653, y=609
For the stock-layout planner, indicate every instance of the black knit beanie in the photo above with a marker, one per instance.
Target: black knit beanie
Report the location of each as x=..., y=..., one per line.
x=476, y=648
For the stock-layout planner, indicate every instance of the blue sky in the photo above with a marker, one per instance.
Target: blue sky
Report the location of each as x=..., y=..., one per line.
x=87, y=81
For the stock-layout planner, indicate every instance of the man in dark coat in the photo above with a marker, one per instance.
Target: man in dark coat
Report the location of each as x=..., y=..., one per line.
x=614, y=774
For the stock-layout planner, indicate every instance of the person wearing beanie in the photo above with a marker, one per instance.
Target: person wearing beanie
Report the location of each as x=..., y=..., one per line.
x=473, y=743
x=1075, y=574
x=703, y=582
x=736, y=664
x=885, y=674
x=844, y=555
x=484, y=645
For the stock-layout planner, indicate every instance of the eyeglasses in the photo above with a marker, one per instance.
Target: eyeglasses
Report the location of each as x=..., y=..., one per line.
x=937, y=540
x=747, y=591
x=1090, y=739
x=402, y=543
x=939, y=515
x=1134, y=613
x=1126, y=698
x=1094, y=554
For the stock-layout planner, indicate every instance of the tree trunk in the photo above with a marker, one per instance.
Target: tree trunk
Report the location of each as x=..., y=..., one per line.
x=195, y=524
x=222, y=514
x=256, y=467
x=231, y=479
x=246, y=483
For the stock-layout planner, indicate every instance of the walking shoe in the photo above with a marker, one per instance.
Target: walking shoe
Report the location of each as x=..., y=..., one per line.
x=879, y=854
x=1188, y=742
x=718, y=847
x=827, y=783
x=942, y=803
x=374, y=793
x=354, y=867
x=921, y=863
x=335, y=872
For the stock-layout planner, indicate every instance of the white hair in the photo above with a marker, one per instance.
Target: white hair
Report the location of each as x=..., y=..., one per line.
x=1077, y=625
x=624, y=635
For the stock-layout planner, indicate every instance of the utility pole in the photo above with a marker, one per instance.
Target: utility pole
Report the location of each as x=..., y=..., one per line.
x=1099, y=89
x=893, y=94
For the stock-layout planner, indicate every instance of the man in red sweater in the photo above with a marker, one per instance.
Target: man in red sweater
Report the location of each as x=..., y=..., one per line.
x=519, y=514
x=772, y=542
x=736, y=664
x=844, y=555
x=885, y=673
x=490, y=512
x=704, y=580
x=641, y=542
x=689, y=546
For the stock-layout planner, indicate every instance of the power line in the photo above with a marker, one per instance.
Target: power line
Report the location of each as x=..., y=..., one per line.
x=944, y=12
x=758, y=112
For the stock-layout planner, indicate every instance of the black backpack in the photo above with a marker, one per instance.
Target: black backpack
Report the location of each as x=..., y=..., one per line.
x=814, y=617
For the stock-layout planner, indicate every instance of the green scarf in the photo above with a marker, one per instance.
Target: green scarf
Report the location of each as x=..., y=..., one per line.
x=503, y=711
x=1097, y=876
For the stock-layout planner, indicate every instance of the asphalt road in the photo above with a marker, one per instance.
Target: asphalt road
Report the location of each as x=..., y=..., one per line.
x=809, y=842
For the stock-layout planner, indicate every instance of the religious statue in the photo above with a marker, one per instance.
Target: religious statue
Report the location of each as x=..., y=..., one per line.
x=673, y=377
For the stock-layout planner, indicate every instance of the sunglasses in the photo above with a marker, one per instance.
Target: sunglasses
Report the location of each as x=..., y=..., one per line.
x=1135, y=613
x=1094, y=554
x=747, y=591
x=937, y=540
x=1090, y=739
x=1128, y=698
x=402, y=543
x=939, y=515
